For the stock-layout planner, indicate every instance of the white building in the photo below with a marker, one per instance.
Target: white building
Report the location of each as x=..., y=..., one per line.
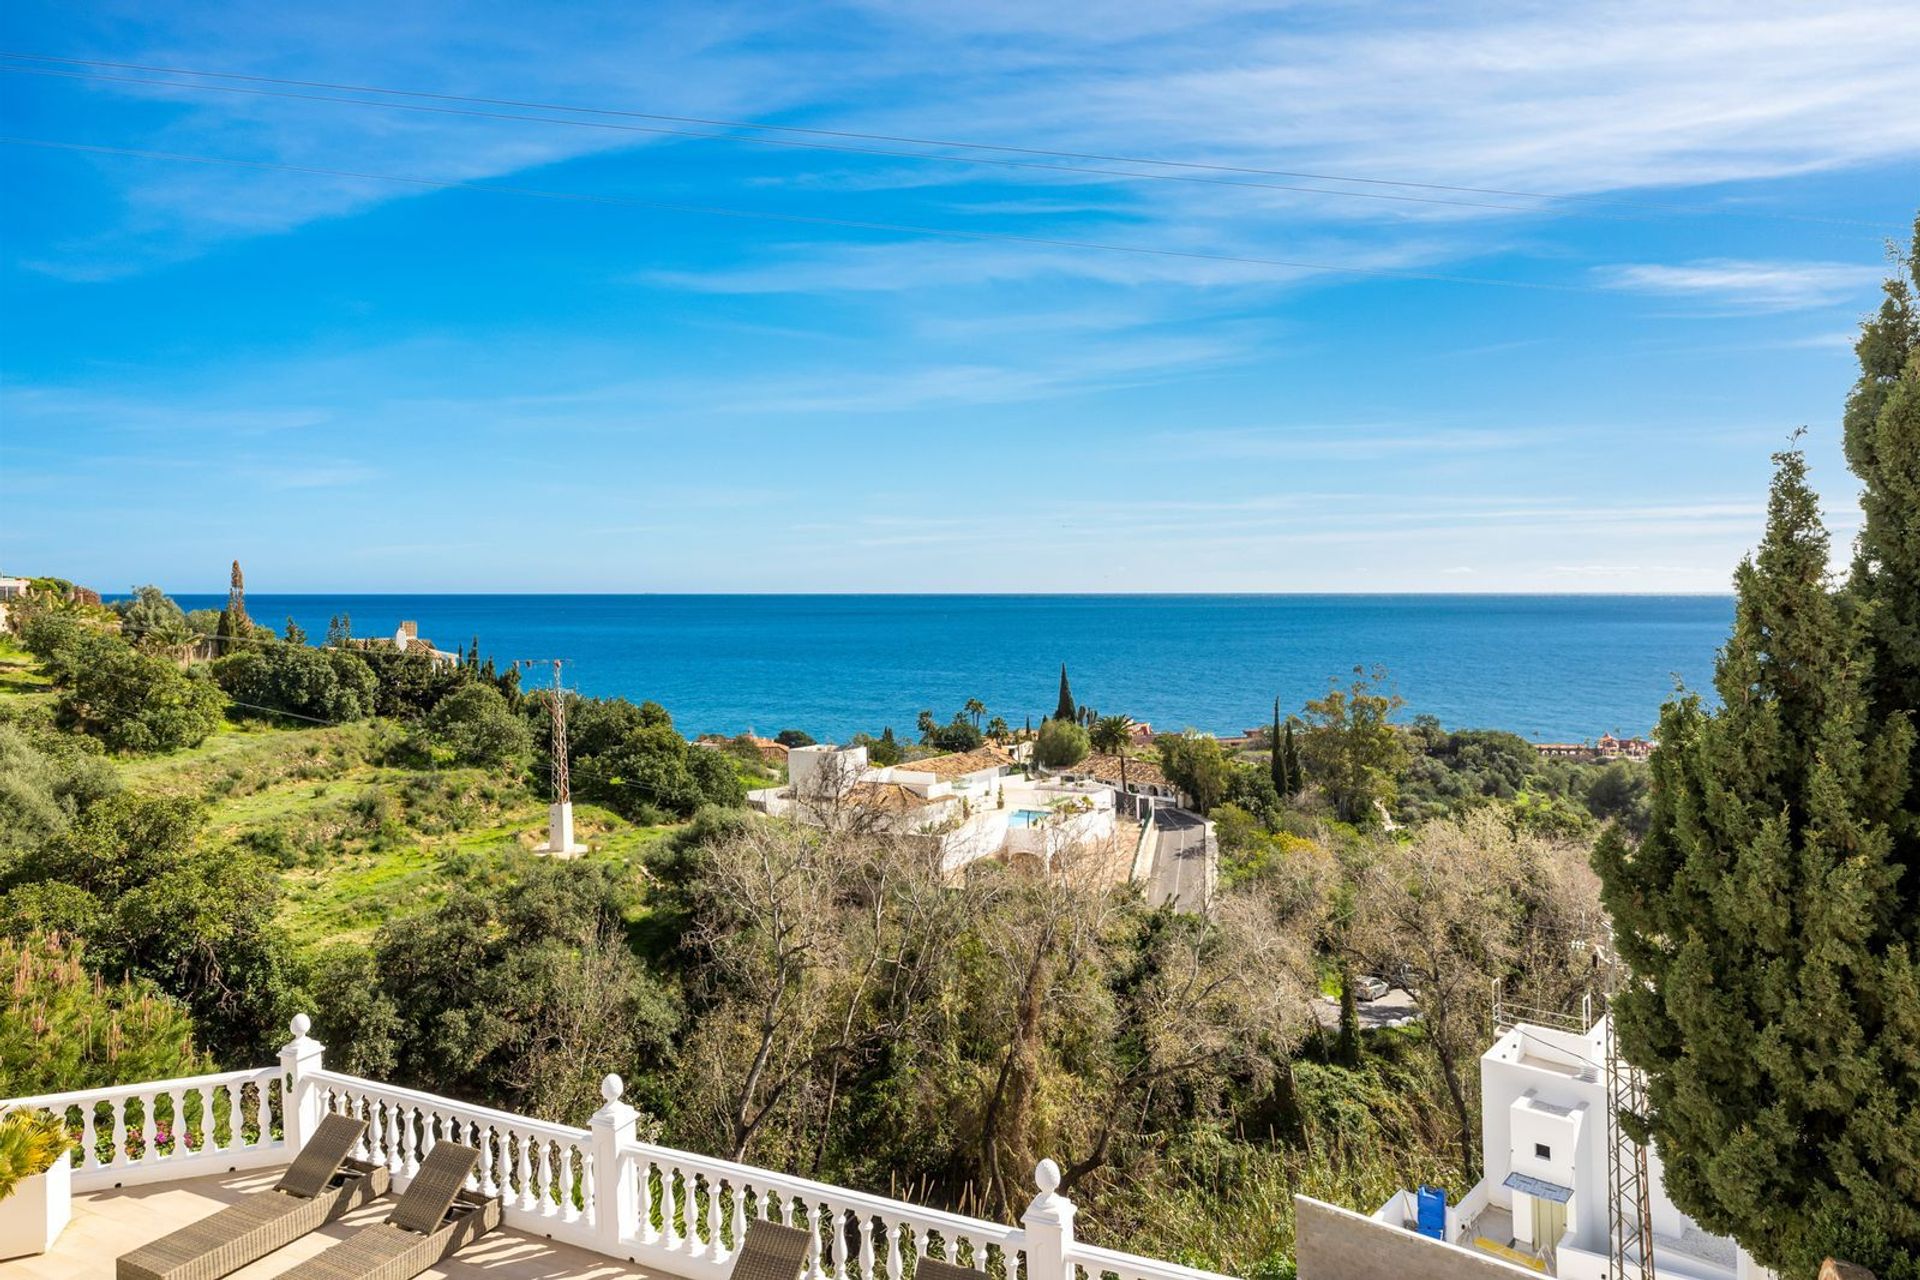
x=969, y=802
x=1544, y=1201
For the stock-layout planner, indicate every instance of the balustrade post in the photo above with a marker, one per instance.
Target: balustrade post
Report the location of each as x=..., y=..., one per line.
x=300, y=1101
x=616, y=1198
x=1049, y=1227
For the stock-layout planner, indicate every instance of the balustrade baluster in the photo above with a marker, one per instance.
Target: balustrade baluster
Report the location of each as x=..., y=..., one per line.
x=523, y=1169
x=262, y=1113
x=814, y=1258
x=409, y=1139
x=543, y=1175
x=177, y=1125
x=716, y=1247
x=590, y=1191
x=485, y=1171
x=643, y=1180
x=669, y=1206
x=236, y=1122
x=568, y=1213
x=503, y=1159
x=893, y=1250
x=739, y=1216
x=149, y=1135
x=865, y=1223
x=89, y=1138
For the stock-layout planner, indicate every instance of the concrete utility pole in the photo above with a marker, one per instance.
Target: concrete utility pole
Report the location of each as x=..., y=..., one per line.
x=560, y=842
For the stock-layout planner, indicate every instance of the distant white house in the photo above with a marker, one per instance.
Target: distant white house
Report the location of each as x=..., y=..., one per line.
x=406, y=638
x=969, y=803
x=1544, y=1201
x=14, y=588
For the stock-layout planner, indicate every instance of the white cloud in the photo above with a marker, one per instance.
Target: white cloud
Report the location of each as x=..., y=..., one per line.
x=1760, y=286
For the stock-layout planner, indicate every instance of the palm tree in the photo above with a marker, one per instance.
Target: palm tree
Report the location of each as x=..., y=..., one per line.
x=997, y=729
x=1111, y=735
x=976, y=709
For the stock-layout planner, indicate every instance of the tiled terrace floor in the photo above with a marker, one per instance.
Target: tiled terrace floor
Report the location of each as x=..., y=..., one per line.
x=107, y=1224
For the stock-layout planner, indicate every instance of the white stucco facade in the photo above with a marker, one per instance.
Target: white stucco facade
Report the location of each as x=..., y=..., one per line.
x=1543, y=1125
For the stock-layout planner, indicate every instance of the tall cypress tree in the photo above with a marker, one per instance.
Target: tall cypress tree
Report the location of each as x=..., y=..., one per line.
x=1882, y=426
x=1065, y=709
x=1276, y=755
x=1776, y=1002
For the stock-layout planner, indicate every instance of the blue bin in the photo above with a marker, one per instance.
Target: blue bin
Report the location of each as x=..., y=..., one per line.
x=1431, y=1216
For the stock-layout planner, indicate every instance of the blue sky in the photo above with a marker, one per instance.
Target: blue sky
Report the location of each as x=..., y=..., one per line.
x=353, y=383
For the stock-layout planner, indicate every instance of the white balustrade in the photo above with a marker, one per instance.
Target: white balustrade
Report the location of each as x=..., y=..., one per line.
x=130, y=1134
x=597, y=1187
x=517, y=1154
x=692, y=1210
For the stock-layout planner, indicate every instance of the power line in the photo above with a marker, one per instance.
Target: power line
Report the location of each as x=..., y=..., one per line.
x=909, y=140
x=903, y=228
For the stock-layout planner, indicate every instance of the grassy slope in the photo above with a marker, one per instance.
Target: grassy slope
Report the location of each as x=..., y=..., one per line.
x=360, y=842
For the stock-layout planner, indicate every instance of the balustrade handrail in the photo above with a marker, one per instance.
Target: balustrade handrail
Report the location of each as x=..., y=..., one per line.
x=1132, y=1266
x=999, y=1233
x=452, y=1106
x=107, y=1093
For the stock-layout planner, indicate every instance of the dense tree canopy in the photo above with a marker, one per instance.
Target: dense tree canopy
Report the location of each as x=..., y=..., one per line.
x=333, y=685
x=1771, y=914
x=131, y=701
x=1351, y=748
x=474, y=725
x=523, y=995
x=1060, y=743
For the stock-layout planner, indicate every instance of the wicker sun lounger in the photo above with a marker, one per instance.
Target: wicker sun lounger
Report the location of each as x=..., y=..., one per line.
x=771, y=1252
x=321, y=1184
x=934, y=1269
x=433, y=1217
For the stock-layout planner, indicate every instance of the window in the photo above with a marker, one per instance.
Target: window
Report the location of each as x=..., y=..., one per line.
x=1542, y=1151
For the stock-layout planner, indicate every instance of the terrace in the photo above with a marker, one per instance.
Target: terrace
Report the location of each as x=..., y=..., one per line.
x=591, y=1203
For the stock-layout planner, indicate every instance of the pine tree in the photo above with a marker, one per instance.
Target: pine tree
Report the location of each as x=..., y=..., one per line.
x=1775, y=1005
x=1064, y=709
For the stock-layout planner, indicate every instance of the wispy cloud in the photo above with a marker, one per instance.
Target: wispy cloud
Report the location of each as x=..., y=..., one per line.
x=1761, y=286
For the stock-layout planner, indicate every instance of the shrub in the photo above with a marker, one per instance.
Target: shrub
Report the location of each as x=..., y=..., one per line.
x=1061, y=743
x=317, y=684
x=134, y=702
x=474, y=725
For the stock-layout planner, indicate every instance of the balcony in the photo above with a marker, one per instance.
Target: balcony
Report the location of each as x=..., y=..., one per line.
x=590, y=1203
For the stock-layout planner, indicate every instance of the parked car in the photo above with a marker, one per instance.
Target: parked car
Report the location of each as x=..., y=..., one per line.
x=1369, y=987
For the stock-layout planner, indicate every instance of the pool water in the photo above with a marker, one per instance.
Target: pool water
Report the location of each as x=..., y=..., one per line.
x=1026, y=817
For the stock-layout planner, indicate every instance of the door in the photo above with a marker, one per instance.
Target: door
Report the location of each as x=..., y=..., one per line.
x=1549, y=1224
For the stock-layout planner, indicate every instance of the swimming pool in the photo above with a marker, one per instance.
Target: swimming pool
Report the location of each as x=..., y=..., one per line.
x=1026, y=817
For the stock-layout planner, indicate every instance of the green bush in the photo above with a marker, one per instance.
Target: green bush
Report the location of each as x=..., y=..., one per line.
x=334, y=685
x=134, y=702
x=474, y=725
x=1061, y=743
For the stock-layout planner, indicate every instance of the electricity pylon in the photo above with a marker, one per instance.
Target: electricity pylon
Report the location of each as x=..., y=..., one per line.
x=560, y=841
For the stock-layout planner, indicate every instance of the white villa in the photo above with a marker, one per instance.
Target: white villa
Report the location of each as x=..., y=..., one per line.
x=1544, y=1201
x=970, y=803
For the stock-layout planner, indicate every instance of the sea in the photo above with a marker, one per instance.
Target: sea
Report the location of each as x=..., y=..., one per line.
x=1548, y=667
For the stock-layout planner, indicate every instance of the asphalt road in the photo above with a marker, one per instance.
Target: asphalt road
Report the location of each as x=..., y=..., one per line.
x=1179, y=860
x=1396, y=1008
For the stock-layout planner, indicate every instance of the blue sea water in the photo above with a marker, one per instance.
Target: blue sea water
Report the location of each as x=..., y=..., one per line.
x=1547, y=667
